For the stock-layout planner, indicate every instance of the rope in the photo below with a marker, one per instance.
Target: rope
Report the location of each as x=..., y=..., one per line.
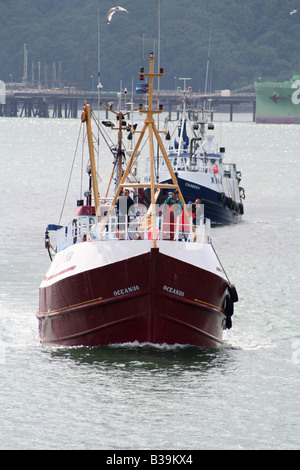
x=72, y=167
x=104, y=134
x=220, y=263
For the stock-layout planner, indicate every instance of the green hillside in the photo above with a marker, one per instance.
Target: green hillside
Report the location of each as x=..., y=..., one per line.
x=250, y=39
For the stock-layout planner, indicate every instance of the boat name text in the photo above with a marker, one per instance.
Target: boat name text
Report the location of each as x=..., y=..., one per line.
x=126, y=290
x=191, y=185
x=171, y=290
x=295, y=95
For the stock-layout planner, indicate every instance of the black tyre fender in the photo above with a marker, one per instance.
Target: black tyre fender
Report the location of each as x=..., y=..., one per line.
x=229, y=202
x=228, y=306
x=233, y=293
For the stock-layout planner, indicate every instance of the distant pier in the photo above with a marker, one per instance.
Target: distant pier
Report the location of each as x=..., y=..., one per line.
x=68, y=103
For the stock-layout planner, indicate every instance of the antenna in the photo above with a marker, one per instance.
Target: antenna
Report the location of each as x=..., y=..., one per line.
x=142, y=51
x=25, y=76
x=158, y=44
x=98, y=48
x=208, y=59
x=184, y=81
x=99, y=86
x=158, y=82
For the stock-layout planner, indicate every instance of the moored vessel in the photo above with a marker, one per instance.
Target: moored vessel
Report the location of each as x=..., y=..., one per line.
x=278, y=103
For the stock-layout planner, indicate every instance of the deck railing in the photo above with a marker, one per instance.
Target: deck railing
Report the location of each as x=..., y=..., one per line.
x=193, y=163
x=89, y=229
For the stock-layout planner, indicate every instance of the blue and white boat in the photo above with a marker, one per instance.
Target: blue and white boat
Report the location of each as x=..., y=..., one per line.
x=200, y=169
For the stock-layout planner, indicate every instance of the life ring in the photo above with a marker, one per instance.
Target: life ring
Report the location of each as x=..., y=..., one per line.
x=222, y=197
x=242, y=193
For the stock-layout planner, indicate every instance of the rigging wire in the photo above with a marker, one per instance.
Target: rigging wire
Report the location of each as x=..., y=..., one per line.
x=72, y=167
x=81, y=172
x=220, y=263
x=103, y=133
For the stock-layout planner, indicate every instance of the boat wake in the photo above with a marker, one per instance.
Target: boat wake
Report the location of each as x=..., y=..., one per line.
x=246, y=342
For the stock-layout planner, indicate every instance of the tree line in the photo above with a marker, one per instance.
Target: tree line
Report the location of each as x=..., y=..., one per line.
x=240, y=39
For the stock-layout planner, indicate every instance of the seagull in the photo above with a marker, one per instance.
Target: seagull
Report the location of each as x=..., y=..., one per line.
x=293, y=12
x=112, y=11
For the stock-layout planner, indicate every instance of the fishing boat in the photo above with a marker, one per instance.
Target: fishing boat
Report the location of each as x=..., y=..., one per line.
x=150, y=276
x=199, y=166
x=278, y=103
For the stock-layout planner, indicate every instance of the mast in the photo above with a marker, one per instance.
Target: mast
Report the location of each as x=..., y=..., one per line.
x=86, y=117
x=158, y=83
x=149, y=125
x=99, y=86
x=207, y=69
x=208, y=59
x=25, y=76
x=120, y=152
x=183, y=121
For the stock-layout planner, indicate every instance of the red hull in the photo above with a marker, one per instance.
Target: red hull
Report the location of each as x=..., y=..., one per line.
x=147, y=298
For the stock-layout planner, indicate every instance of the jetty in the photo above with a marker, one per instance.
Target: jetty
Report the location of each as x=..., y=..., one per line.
x=66, y=102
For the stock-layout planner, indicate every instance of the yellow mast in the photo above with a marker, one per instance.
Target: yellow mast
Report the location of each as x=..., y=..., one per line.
x=153, y=185
x=86, y=117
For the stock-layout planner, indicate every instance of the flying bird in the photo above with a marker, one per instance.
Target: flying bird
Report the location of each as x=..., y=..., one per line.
x=293, y=12
x=112, y=11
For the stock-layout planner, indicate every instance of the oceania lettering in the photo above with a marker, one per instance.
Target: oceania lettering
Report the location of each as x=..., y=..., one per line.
x=295, y=95
x=171, y=290
x=126, y=290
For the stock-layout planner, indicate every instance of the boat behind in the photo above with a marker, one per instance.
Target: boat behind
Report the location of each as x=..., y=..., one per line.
x=200, y=169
